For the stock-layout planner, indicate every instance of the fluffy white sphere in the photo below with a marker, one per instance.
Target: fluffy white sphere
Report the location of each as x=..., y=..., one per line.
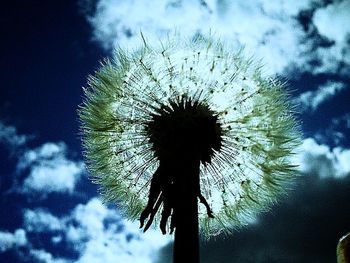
x=259, y=133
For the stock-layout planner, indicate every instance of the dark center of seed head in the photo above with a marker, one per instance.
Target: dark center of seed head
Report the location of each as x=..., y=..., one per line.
x=185, y=129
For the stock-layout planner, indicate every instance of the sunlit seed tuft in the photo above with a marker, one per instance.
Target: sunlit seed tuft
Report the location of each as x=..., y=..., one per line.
x=245, y=170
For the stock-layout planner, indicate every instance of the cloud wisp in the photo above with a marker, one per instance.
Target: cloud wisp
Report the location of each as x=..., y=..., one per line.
x=12, y=240
x=40, y=220
x=310, y=101
x=40, y=255
x=321, y=160
x=49, y=169
x=10, y=137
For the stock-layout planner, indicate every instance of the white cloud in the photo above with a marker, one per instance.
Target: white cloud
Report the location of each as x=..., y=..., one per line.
x=56, y=239
x=9, y=240
x=285, y=6
x=320, y=160
x=90, y=218
x=47, y=150
x=102, y=236
x=311, y=100
x=39, y=220
x=268, y=29
x=49, y=169
x=10, y=137
x=43, y=256
x=333, y=21
x=97, y=233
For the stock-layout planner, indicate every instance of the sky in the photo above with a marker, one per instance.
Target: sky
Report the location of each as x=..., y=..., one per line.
x=52, y=213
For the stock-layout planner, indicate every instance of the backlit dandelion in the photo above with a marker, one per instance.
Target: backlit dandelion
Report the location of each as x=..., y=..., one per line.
x=193, y=104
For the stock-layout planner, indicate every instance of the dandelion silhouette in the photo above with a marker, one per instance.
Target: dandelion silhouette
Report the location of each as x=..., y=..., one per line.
x=166, y=126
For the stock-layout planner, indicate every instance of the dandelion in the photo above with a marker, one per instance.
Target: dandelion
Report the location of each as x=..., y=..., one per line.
x=166, y=125
x=343, y=249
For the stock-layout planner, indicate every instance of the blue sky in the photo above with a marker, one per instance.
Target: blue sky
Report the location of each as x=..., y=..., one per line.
x=51, y=212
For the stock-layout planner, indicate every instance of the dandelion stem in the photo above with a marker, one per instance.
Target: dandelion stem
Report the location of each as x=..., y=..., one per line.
x=186, y=244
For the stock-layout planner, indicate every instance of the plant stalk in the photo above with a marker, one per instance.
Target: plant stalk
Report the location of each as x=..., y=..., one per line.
x=186, y=243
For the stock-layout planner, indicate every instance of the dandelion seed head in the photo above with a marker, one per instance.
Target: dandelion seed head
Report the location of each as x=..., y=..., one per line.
x=247, y=165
